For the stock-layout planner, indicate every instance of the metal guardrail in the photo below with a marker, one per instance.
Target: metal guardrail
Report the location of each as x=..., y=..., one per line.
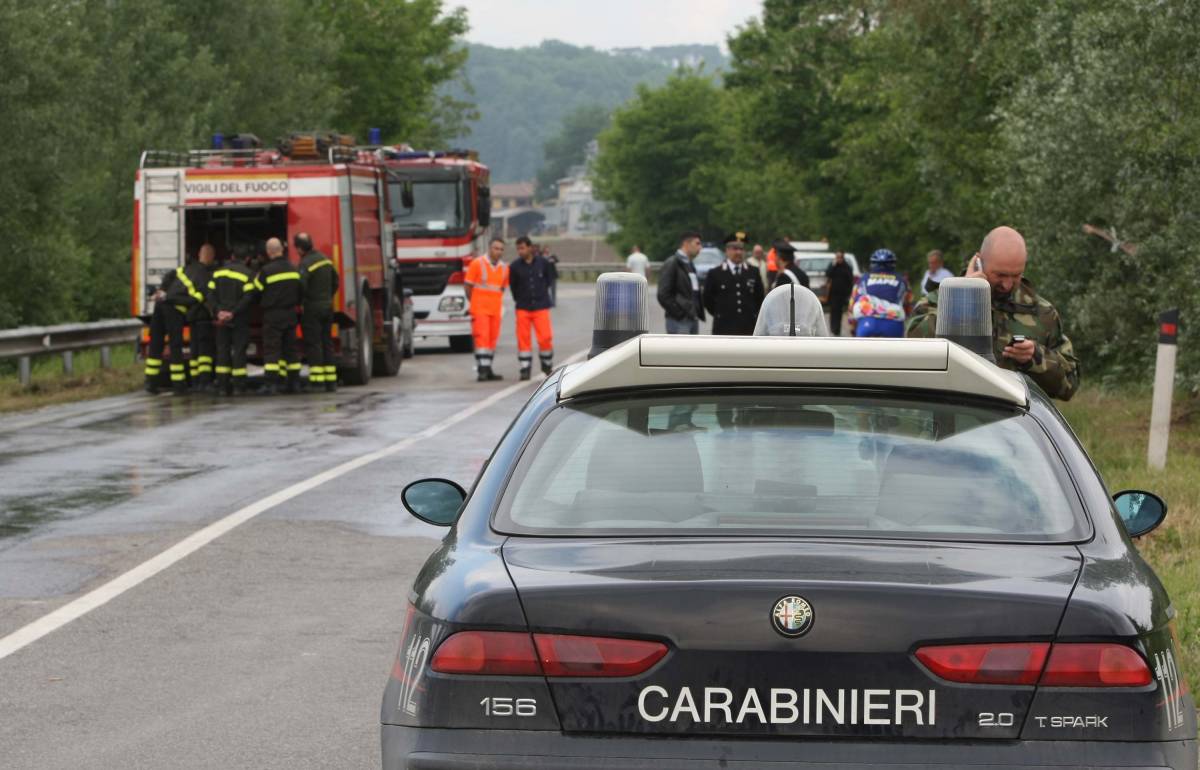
x=588, y=271
x=27, y=341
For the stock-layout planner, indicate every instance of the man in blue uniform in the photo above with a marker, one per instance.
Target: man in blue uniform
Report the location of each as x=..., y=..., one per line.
x=877, y=302
x=531, y=280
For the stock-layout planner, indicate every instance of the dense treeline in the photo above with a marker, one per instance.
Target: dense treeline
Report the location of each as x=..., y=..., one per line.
x=524, y=94
x=88, y=85
x=920, y=124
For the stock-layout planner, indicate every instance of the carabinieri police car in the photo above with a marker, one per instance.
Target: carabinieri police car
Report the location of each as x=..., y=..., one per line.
x=785, y=551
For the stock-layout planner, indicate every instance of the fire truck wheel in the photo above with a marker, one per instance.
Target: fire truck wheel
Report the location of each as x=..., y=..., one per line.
x=360, y=373
x=387, y=361
x=462, y=343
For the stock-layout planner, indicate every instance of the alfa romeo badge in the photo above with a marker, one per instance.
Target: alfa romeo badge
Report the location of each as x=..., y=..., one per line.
x=792, y=616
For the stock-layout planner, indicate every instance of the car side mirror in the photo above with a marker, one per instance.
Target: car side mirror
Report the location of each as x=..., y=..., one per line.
x=435, y=501
x=1140, y=511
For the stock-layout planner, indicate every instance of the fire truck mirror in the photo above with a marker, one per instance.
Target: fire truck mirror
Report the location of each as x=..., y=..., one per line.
x=485, y=206
x=406, y=195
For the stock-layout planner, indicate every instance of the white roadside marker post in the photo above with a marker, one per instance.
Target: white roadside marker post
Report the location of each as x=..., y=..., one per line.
x=1164, y=386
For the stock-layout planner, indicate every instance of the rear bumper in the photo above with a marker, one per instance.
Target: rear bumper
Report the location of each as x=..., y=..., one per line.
x=409, y=748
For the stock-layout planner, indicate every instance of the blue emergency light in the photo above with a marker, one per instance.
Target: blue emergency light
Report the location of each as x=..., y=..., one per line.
x=218, y=141
x=621, y=312
x=373, y=136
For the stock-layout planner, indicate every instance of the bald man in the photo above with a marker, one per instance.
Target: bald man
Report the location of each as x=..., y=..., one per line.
x=1046, y=354
x=278, y=291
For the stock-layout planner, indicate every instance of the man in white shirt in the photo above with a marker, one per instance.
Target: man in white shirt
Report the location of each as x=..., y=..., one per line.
x=638, y=262
x=936, y=273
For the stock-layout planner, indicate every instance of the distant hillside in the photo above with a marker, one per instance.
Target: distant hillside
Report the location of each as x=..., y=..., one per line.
x=523, y=93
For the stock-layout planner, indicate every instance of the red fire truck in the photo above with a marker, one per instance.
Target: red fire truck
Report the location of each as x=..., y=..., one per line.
x=362, y=206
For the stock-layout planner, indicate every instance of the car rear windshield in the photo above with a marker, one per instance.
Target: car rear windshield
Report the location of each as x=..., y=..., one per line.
x=759, y=463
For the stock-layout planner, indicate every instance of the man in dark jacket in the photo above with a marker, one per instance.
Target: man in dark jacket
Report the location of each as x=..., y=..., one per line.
x=228, y=286
x=319, y=282
x=531, y=280
x=201, y=321
x=679, y=287
x=733, y=290
x=174, y=301
x=839, y=282
x=277, y=290
x=789, y=271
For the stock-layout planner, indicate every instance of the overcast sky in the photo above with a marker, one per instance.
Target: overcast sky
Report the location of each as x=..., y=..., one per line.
x=604, y=23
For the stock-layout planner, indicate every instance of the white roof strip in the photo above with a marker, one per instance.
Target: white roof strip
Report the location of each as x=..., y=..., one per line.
x=656, y=360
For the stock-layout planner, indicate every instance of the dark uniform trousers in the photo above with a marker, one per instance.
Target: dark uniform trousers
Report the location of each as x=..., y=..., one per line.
x=203, y=348
x=167, y=321
x=279, y=345
x=317, y=326
x=232, y=339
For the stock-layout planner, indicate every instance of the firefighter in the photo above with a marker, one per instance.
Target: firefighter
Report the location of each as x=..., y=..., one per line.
x=319, y=281
x=229, y=285
x=278, y=291
x=487, y=277
x=532, y=282
x=201, y=321
x=173, y=300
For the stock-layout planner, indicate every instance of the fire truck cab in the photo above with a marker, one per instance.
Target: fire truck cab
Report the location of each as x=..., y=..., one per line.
x=441, y=207
x=319, y=184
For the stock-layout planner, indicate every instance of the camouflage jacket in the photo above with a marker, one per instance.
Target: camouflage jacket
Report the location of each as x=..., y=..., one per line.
x=1054, y=366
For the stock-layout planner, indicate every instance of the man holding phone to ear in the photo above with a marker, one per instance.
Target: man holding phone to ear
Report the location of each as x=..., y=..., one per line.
x=1027, y=333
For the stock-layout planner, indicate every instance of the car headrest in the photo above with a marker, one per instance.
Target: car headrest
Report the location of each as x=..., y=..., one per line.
x=624, y=460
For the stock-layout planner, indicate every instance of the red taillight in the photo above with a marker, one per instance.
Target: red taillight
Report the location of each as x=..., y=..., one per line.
x=1009, y=663
x=1029, y=663
x=456, y=277
x=505, y=653
x=595, y=656
x=502, y=653
x=1095, y=665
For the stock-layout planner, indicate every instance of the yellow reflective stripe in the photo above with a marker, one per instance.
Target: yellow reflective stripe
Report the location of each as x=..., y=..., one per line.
x=258, y=284
x=181, y=308
x=212, y=284
x=177, y=367
x=152, y=370
x=204, y=359
x=178, y=377
x=224, y=370
x=314, y=377
x=191, y=287
x=153, y=362
x=322, y=263
x=239, y=372
x=292, y=276
x=271, y=367
x=232, y=274
x=293, y=367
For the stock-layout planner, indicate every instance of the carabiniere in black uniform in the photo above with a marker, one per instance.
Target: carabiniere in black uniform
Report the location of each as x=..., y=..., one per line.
x=277, y=287
x=733, y=293
x=319, y=282
x=227, y=289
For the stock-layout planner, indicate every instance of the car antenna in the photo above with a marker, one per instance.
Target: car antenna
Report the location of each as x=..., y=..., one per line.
x=792, y=312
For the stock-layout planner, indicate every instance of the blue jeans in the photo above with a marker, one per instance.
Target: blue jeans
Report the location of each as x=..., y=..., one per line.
x=690, y=326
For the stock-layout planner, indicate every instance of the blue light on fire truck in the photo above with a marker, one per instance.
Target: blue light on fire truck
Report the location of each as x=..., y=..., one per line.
x=373, y=136
x=218, y=141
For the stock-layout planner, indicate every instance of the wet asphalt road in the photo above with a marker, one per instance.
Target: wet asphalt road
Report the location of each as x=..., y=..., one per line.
x=269, y=647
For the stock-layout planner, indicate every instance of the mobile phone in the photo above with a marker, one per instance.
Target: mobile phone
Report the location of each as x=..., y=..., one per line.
x=1018, y=339
x=978, y=264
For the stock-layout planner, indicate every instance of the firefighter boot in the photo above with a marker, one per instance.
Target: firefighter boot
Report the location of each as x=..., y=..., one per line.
x=525, y=372
x=293, y=383
x=331, y=379
x=224, y=385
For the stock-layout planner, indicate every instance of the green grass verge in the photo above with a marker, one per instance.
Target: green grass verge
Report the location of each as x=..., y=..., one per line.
x=50, y=386
x=1114, y=427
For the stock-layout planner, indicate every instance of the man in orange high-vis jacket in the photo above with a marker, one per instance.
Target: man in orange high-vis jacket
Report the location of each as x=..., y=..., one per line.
x=532, y=280
x=487, y=278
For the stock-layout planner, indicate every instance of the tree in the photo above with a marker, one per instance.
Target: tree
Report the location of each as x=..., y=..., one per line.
x=394, y=55
x=568, y=147
x=651, y=164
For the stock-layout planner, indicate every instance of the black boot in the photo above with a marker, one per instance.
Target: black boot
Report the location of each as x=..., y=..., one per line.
x=492, y=375
x=547, y=367
x=525, y=373
x=293, y=383
x=152, y=385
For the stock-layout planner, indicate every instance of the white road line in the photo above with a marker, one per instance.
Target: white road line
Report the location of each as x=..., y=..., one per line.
x=98, y=597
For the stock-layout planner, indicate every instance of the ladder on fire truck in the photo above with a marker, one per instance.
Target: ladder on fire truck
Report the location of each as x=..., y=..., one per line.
x=162, y=224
